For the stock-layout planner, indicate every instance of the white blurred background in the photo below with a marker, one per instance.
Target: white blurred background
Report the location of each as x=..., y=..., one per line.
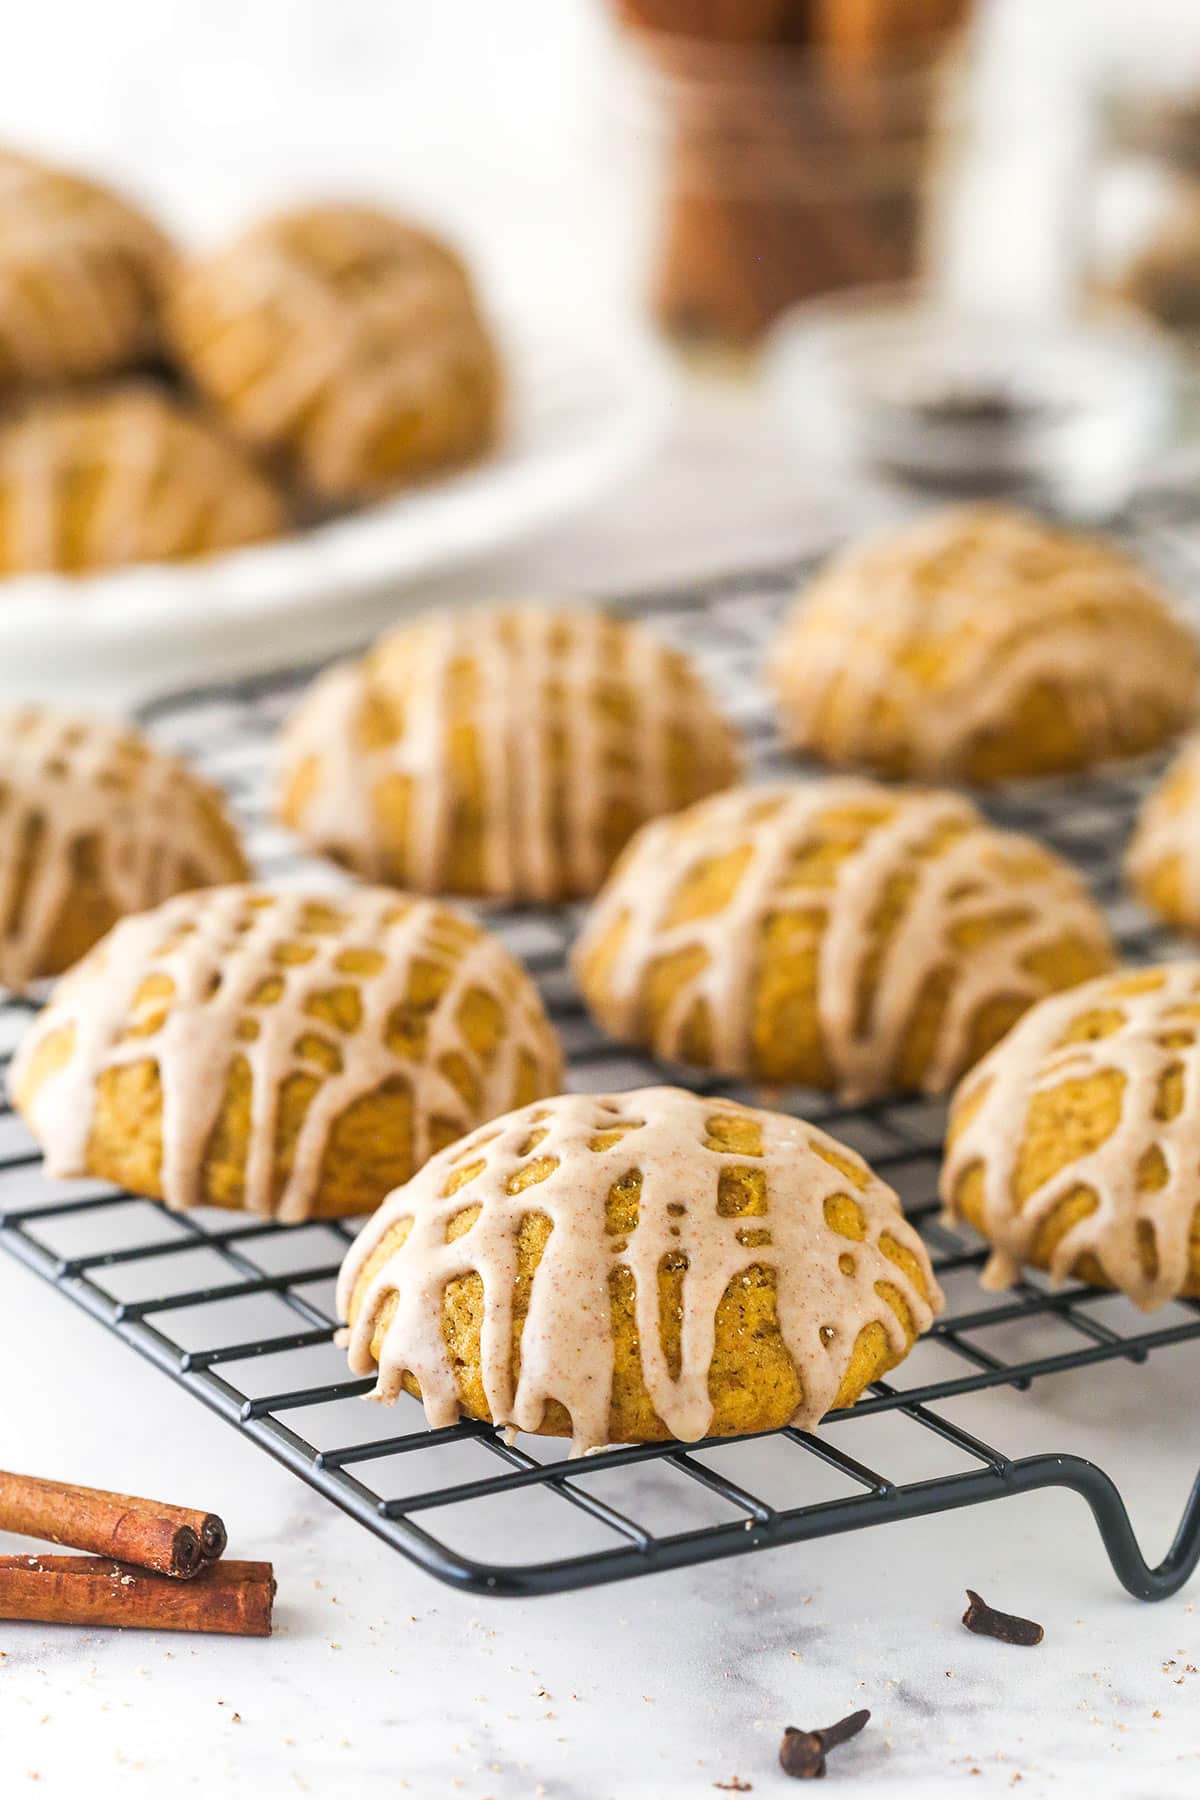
x=497, y=121
x=522, y=130
x=512, y=124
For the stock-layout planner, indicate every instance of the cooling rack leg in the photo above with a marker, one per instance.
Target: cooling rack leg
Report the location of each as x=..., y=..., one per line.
x=1116, y=1531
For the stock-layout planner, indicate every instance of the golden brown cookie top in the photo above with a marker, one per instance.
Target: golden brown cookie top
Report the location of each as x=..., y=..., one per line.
x=344, y=337
x=1088, y=1106
x=126, y=475
x=353, y=991
x=897, y=891
x=921, y=650
x=626, y=1181
x=509, y=751
x=80, y=274
x=89, y=799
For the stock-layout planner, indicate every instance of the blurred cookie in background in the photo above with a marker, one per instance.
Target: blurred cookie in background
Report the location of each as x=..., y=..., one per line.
x=983, y=644
x=509, y=751
x=1163, y=861
x=345, y=341
x=124, y=475
x=81, y=277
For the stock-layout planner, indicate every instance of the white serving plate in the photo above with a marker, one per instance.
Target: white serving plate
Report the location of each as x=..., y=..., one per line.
x=584, y=407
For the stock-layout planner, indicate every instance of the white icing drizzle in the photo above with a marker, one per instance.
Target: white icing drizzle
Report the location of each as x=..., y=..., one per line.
x=551, y=757
x=373, y=321
x=78, y=272
x=68, y=781
x=566, y=1343
x=217, y=949
x=1168, y=830
x=998, y=603
x=1033, y=1060
x=160, y=484
x=968, y=880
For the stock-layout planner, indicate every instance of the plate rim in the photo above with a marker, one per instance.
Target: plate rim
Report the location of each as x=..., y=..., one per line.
x=416, y=535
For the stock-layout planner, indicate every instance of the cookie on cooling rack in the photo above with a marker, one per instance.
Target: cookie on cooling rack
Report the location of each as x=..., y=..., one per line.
x=124, y=475
x=1163, y=861
x=981, y=643
x=838, y=934
x=1074, y=1146
x=348, y=342
x=95, y=822
x=286, y=1054
x=508, y=752
x=81, y=273
x=634, y=1267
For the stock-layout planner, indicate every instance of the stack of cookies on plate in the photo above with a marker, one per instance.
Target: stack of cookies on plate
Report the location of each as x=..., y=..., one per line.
x=156, y=405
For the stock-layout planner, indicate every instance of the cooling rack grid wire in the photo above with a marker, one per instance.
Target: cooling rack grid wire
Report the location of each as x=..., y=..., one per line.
x=239, y=1311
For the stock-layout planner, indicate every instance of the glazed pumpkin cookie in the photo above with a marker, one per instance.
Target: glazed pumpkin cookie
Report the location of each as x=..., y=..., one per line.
x=1075, y=1145
x=128, y=475
x=81, y=271
x=837, y=934
x=95, y=822
x=637, y=1266
x=510, y=752
x=287, y=1054
x=1163, y=863
x=981, y=643
x=345, y=340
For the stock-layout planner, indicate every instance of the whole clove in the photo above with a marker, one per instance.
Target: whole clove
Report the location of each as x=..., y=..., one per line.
x=985, y=1621
x=802, y=1753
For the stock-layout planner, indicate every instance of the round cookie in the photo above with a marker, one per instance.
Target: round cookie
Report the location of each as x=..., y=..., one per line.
x=981, y=643
x=95, y=822
x=1075, y=1145
x=508, y=752
x=1163, y=860
x=637, y=1266
x=837, y=934
x=81, y=272
x=126, y=475
x=283, y=1053
x=347, y=341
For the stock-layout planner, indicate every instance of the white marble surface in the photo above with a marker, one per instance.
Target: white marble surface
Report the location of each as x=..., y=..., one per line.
x=380, y=1681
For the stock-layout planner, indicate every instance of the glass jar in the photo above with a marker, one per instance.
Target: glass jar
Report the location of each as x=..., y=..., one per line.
x=789, y=175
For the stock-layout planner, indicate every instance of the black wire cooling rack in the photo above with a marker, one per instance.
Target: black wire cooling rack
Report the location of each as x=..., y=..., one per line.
x=241, y=1313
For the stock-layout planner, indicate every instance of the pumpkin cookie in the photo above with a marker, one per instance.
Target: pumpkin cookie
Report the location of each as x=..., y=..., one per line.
x=124, y=476
x=837, y=934
x=1075, y=1145
x=345, y=340
x=95, y=822
x=510, y=752
x=286, y=1054
x=1163, y=862
x=81, y=272
x=983, y=644
x=633, y=1267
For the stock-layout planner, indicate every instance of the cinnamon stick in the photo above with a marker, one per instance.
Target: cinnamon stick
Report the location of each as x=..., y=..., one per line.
x=234, y=1598
x=172, y=1540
